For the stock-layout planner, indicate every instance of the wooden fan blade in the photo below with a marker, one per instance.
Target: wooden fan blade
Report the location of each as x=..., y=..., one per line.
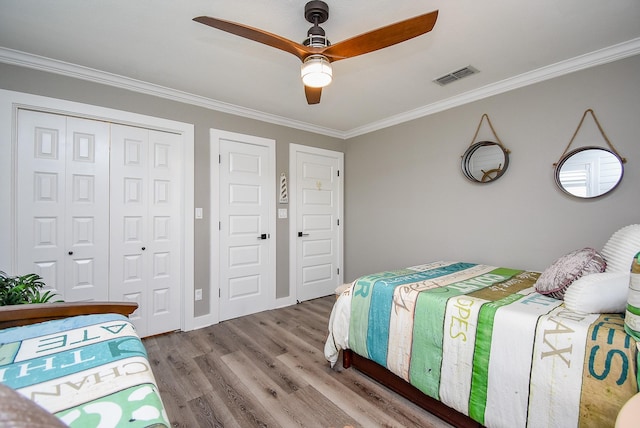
x=313, y=94
x=382, y=37
x=257, y=35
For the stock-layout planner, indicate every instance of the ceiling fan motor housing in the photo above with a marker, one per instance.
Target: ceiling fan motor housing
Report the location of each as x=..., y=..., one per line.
x=316, y=12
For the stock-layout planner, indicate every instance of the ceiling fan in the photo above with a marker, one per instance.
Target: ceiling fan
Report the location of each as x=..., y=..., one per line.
x=317, y=53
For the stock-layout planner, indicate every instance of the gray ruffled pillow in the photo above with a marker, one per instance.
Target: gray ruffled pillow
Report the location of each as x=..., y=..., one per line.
x=555, y=280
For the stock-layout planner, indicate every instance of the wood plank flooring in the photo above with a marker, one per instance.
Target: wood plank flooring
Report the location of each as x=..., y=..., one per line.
x=268, y=370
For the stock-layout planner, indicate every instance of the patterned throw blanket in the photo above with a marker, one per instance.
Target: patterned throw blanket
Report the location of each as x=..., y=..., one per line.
x=481, y=340
x=89, y=371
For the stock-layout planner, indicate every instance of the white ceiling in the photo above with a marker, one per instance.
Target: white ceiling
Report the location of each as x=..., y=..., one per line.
x=154, y=46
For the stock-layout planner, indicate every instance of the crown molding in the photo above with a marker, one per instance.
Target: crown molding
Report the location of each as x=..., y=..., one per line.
x=602, y=56
x=592, y=59
x=41, y=63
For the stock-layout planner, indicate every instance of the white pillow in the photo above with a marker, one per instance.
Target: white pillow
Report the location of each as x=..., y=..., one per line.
x=621, y=247
x=599, y=293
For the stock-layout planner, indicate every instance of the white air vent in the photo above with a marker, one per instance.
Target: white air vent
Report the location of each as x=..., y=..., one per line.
x=455, y=75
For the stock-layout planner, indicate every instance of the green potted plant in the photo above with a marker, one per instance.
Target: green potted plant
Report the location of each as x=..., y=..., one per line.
x=17, y=290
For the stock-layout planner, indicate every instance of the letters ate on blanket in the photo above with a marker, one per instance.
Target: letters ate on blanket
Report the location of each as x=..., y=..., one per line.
x=87, y=370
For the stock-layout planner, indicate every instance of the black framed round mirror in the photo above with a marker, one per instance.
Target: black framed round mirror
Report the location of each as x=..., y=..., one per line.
x=589, y=172
x=485, y=161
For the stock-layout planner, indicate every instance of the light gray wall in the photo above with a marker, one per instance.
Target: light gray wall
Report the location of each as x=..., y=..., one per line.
x=55, y=86
x=407, y=201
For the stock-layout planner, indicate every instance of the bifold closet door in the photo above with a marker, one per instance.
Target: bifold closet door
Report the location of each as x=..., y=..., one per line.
x=62, y=212
x=146, y=238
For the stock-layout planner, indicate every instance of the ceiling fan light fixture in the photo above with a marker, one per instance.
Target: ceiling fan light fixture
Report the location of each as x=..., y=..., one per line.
x=316, y=52
x=316, y=71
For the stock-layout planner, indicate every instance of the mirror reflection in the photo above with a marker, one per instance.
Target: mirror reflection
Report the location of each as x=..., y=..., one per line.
x=485, y=161
x=589, y=172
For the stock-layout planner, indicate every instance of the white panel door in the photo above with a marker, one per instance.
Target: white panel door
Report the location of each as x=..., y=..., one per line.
x=318, y=207
x=247, y=253
x=146, y=241
x=62, y=212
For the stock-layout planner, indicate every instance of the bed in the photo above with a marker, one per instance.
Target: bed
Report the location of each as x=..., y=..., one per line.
x=481, y=345
x=83, y=363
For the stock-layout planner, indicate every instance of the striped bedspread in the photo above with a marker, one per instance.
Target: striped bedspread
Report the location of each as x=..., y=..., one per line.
x=482, y=341
x=88, y=370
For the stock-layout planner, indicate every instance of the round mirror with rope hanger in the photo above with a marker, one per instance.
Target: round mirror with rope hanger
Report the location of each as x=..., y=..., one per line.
x=589, y=172
x=485, y=161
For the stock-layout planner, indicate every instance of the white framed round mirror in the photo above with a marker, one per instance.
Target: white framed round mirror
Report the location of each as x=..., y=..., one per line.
x=485, y=161
x=589, y=172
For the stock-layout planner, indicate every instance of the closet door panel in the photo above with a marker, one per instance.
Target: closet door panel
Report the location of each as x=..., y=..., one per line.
x=165, y=170
x=62, y=224
x=99, y=213
x=87, y=228
x=146, y=239
x=129, y=221
x=40, y=199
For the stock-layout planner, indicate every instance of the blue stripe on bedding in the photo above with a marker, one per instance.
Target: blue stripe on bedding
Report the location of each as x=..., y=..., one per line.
x=43, y=369
x=382, y=304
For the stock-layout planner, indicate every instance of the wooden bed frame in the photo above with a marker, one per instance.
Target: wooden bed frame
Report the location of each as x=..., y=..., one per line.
x=18, y=315
x=405, y=389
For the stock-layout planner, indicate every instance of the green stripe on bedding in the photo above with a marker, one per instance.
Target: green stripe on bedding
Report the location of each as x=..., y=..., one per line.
x=426, y=351
x=459, y=339
x=382, y=305
x=512, y=340
x=479, y=380
x=402, y=316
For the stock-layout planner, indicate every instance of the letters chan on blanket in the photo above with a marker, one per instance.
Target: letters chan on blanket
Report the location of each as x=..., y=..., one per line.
x=59, y=393
x=89, y=370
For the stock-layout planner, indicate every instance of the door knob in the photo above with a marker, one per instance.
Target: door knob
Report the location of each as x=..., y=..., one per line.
x=300, y=234
x=71, y=253
x=144, y=248
x=263, y=236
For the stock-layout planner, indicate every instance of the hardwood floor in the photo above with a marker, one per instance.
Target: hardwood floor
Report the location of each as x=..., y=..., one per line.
x=268, y=370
